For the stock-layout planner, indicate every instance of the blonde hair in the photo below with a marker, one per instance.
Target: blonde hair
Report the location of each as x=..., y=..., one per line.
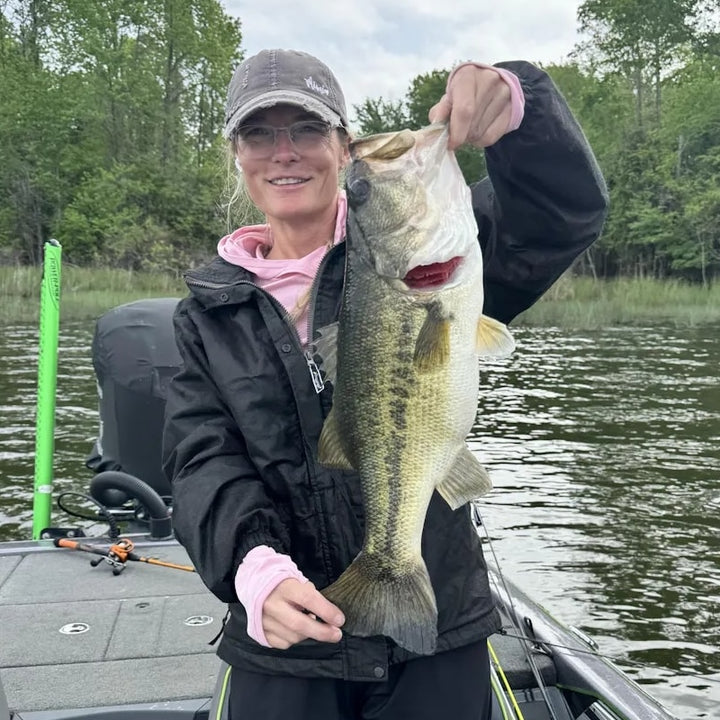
x=239, y=208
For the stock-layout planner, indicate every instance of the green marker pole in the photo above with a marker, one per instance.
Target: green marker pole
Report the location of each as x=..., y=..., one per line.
x=47, y=383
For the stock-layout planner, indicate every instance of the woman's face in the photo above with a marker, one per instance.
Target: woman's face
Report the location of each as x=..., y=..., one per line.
x=290, y=181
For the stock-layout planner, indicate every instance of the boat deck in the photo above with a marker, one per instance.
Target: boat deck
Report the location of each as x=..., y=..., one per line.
x=77, y=636
x=74, y=635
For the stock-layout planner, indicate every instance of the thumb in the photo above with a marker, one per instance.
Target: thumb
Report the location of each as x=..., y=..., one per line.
x=440, y=112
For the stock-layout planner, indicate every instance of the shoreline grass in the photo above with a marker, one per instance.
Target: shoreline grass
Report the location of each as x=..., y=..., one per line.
x=584, y=303
x=573, y=302
x=85, y=293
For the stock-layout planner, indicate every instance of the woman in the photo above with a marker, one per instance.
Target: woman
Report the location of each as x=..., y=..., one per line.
x=266, y=526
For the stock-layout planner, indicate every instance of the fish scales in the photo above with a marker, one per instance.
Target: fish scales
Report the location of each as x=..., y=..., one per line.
x=386, y=404
x=382, y=400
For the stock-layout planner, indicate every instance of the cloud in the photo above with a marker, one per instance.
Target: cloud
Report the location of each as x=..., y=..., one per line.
x=376, y=48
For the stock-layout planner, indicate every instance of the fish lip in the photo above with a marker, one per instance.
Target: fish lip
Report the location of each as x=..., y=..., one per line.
x=431, y=277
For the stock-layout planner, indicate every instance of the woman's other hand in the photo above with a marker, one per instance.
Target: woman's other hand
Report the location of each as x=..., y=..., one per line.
x=293, y=612
x=478, y=105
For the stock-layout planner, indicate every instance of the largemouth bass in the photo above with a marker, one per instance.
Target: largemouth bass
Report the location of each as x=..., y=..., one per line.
x=403, y=359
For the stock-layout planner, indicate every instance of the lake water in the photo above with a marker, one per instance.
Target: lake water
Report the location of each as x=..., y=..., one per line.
x=604, y=448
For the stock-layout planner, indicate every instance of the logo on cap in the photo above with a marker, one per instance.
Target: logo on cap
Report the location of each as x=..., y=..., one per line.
x=316, y=86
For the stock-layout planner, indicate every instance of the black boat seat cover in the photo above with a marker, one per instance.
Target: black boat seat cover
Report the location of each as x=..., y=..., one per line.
x=134, y=357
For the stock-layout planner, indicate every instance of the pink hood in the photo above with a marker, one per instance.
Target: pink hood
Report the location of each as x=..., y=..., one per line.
x=288, y=280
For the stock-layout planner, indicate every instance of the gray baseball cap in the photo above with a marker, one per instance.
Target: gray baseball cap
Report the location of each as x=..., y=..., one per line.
x=274, y=77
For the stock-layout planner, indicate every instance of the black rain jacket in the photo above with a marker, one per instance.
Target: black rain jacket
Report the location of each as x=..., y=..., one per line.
x=243, y=416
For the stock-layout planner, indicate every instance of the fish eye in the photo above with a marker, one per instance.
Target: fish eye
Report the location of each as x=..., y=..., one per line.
x=358, y=191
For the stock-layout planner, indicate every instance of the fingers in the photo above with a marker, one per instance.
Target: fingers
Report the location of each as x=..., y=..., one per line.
x=440, y=112
x=316, y=603
x=494, y=130
x=296, y=611
x=478, y=106
x=291, y=630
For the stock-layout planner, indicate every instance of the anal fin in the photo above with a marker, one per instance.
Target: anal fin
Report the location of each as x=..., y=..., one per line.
x=466, y=480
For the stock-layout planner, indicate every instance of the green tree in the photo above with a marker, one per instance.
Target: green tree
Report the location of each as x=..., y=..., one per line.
x=640, y=39
x=125, y=91
x=691, y=133
x=376, y=115
x=36, y=130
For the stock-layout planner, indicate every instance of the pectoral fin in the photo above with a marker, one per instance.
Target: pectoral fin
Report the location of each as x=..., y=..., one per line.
x=493, y=338
x=432, y=347
x=326, y=347
x=330, y=448
x=466, y=480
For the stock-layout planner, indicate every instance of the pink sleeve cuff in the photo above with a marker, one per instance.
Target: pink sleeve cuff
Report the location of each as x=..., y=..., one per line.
x=517, y=97
x=259, y=574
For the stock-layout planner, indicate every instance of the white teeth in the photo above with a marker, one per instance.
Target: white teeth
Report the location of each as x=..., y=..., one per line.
x=287, y=181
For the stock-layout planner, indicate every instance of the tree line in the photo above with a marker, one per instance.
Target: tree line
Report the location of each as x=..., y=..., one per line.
x=111, y=114
x=109, y=128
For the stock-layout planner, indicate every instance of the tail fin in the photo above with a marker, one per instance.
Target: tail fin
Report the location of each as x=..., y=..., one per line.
x=378, y=602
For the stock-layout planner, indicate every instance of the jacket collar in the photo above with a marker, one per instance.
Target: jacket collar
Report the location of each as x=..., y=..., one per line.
x=217, y=272
x=219, y=282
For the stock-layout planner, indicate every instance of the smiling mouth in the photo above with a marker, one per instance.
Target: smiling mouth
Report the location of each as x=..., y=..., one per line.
x=433, y=275
x=288, y=182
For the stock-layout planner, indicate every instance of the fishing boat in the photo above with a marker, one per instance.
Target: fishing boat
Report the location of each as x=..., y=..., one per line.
x=108, y=620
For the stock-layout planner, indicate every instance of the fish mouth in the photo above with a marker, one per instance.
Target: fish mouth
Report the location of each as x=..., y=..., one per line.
x=423, y=277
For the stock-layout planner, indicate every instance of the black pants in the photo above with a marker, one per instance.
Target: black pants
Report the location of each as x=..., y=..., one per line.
x=453, y=684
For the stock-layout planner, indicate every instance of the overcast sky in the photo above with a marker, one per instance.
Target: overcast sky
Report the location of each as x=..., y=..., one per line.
x=376, y=47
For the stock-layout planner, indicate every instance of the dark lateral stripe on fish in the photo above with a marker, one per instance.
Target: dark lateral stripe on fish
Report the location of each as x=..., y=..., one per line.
x=401, y=376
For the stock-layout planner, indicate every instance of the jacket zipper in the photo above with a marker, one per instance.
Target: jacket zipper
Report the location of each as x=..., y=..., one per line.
x=314, y=292
x=315, y=374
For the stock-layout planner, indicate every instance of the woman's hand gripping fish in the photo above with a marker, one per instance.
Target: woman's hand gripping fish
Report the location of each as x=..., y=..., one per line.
x=403, y=359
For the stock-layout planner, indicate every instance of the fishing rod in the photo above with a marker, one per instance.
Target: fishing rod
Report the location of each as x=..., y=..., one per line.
x=46, y=386
x=117, y=555
x=503, y=692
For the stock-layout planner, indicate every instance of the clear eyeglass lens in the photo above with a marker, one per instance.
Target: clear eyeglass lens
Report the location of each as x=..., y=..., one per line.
x=304, y=135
